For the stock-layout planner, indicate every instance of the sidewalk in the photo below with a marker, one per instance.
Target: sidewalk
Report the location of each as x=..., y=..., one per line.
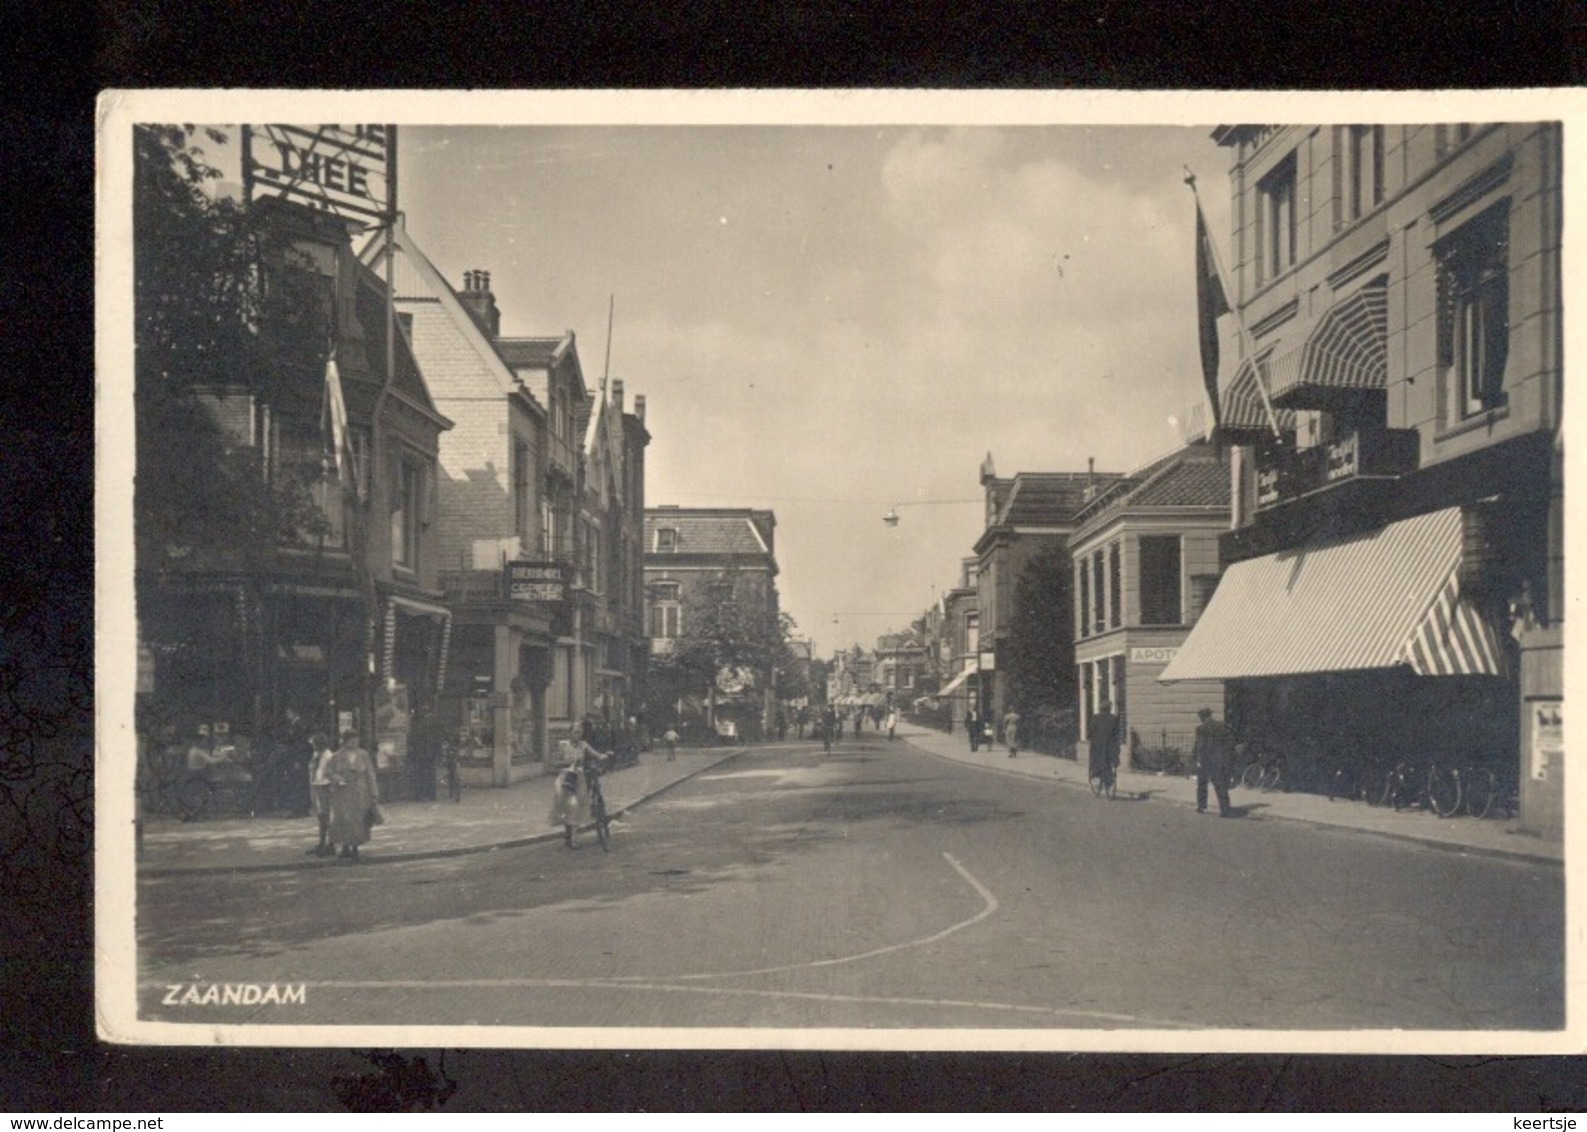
x=483, y=819
x=1488, y=837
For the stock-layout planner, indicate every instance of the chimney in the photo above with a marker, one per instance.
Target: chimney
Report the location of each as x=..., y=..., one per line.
x=480, y=302
x=639, y=408
x=617, y=394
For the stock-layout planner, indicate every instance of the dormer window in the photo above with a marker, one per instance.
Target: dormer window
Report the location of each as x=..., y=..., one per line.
x=666, y=540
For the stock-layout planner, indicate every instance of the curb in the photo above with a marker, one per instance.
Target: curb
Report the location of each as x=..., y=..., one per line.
x=429, y=854
x=1504, y=854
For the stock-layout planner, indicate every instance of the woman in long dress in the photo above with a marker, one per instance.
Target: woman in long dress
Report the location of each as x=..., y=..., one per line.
x=355, y=795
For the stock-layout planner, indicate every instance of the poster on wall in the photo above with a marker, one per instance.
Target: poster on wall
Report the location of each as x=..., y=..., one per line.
x=1548, y=737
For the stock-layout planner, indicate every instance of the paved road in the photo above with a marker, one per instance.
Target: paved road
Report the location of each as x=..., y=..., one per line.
x=880, y=887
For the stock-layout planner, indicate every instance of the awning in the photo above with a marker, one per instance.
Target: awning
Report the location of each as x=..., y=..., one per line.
x=1240, y=408
x=1384, y=600
x=1348, y=351
x=952, y=686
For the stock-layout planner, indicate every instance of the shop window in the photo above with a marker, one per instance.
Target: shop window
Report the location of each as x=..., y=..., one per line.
x=1161, y=591
x=1276, y=231
x=1473, y=313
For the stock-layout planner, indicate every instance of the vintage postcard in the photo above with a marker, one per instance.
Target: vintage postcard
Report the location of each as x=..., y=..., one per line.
x=836, y=570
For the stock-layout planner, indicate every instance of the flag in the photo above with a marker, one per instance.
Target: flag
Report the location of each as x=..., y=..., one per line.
x=1211, y=301
x=333, y=421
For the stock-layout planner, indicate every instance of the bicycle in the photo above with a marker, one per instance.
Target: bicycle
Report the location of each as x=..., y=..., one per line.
x=1443, y=790
x=1483, y=791
x=1105, y=783
x=1265, y=771
x=603, y=823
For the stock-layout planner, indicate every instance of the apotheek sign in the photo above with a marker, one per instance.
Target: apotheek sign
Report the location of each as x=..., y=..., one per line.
x=537, y=581
x=1141, y=654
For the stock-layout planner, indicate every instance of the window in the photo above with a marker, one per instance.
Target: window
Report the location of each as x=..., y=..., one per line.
x=1099, y=611
x=1083, y=572
x=1276, y=231
x=666, y=540
x=972, y=633
x=520, y=492
x=405, y=513
x=1473, y=313
x=548, y=528
x=1453, y=135
x=666, y=612
x=1115, y=592
x=1361, y=171
x=1160, y=582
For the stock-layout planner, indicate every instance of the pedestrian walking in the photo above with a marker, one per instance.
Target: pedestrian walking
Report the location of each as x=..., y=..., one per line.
x=829, y=728
x=1214, y=749
x=355, y=796
x=1011, y=731
x=972, y=728
x=671, y=740
x=320, y=791
x=891, y=723
x=859, y=721
x=1104, y=732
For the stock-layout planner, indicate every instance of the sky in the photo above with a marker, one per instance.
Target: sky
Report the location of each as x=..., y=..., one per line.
x=834, y=321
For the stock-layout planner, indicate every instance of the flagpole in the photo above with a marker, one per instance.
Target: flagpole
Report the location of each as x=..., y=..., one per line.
x=1247, y=344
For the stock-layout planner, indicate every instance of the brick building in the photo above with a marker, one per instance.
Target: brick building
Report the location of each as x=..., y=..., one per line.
x=540, y=490
x=1393, y=587
x=711, y=573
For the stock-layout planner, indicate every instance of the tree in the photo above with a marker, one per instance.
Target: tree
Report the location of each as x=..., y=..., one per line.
x=205, y=319
x=1041, y=643
x=732, y=633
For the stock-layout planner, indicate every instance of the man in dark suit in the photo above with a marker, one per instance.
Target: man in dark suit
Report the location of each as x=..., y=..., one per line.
x=1214, y=749
x=1104, y=744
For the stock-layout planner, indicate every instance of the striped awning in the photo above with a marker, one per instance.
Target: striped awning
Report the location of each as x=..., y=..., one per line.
x=1241, y=413
x=1348, y=350
x=953, y=685
x=1379, y=601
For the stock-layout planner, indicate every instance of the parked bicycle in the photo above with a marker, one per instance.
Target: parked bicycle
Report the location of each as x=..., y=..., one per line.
x=1264, y=767
x=1485, y=792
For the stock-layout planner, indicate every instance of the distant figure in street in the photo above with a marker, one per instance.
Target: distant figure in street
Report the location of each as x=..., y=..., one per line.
x=320, y=791
x=782, y=727
x=1104, y=732
x=1011, y=730
x=1214, y=746
x=972, y=728
x=671, y=739
x=828, y=725
x=355, y=796
x=859, y=721
x=892, y=722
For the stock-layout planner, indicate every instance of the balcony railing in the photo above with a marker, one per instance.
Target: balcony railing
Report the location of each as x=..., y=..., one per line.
x=1286, y=474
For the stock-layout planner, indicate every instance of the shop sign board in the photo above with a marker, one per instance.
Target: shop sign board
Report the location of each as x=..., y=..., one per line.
x=537, y=581
x=1152, y=654
x=348, y=170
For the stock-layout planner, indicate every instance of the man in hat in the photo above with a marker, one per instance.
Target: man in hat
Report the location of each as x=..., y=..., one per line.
x=1214, y=749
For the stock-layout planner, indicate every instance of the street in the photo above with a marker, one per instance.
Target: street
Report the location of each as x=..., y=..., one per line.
x=877, y=887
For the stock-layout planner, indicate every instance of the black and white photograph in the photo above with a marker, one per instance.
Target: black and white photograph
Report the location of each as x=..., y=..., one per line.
x=837, y=570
